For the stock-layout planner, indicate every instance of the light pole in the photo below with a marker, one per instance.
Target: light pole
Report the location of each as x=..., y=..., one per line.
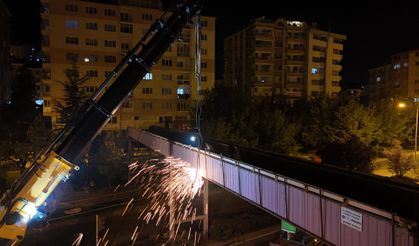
x=416, y=131
x=402, y=105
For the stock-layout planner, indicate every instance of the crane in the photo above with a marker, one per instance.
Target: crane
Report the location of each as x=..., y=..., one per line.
x=20, y=204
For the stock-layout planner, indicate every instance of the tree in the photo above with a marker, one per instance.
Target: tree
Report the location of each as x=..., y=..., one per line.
x=354, y=155
x=23, y=106
x=393, y=123
x=74, y=96
x=17, y=119
x=399, y=163
x=276, y=132
x=108, y=156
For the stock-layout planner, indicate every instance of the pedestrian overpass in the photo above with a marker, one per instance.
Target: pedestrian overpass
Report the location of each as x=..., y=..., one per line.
x=337, y=219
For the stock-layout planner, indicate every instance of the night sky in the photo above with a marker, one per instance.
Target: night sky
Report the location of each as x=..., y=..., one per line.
x=374, y=32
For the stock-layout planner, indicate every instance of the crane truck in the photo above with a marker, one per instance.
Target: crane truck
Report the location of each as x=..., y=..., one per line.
x=21, y=202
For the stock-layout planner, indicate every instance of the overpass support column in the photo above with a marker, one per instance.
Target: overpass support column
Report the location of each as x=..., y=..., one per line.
x=205, y=209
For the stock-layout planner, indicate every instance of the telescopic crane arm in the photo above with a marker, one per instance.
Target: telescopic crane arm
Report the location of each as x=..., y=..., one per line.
x=33, y=188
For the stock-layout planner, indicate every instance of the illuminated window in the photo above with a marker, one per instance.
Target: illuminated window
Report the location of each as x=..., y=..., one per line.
x=405, y=64
x=71, y=24
x=183, y=92
x=314, y=70
x=396, y=66
x=148, y=76
x=378, y=79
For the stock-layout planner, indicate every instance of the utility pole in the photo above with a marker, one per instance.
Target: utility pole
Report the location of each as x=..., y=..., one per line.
x=416, y=135
x=97, y=229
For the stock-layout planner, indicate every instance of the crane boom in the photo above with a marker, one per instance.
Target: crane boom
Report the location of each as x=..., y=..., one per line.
x=34, y=187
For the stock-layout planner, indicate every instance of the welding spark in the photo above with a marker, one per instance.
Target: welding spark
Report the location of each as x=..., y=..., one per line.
x=172, y=184
x=127, y=206
x=78, y=238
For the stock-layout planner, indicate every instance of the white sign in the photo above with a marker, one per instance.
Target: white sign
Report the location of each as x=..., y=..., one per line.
x=351, y=218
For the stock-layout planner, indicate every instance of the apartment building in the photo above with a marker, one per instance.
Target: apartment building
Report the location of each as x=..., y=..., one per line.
x=398, y=79
x=99, y=35
x=292, y=59
x=5, y=86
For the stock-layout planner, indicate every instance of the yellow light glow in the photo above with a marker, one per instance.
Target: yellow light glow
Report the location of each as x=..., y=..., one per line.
x=401, y=105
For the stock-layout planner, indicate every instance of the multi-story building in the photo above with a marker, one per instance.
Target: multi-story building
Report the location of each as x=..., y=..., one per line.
x=398, y=79
x=5, y=87
x=284, y=58
x=99, y=35
x=379, y=82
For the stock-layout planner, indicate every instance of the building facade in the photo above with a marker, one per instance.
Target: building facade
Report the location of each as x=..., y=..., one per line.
x=398, y=79
x=98, y=36
x=5, y=84
x=284, y=58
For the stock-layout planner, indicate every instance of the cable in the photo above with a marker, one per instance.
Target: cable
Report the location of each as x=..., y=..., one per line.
x=198, y=74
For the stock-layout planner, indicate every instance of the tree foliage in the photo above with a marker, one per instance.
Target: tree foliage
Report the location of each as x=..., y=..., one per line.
x=354, y=155
x=23, y=106
x=393, y=123
x=22, y=129
x=74, y=96
x=108, y=156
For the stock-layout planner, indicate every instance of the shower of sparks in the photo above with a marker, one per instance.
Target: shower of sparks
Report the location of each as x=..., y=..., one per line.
x=78, y=239
x=171, y=185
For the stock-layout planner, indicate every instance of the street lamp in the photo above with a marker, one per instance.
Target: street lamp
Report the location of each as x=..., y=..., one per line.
x=416, y=134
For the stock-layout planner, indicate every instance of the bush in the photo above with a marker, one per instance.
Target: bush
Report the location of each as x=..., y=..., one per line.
x=353, y=155
x=399, y=163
